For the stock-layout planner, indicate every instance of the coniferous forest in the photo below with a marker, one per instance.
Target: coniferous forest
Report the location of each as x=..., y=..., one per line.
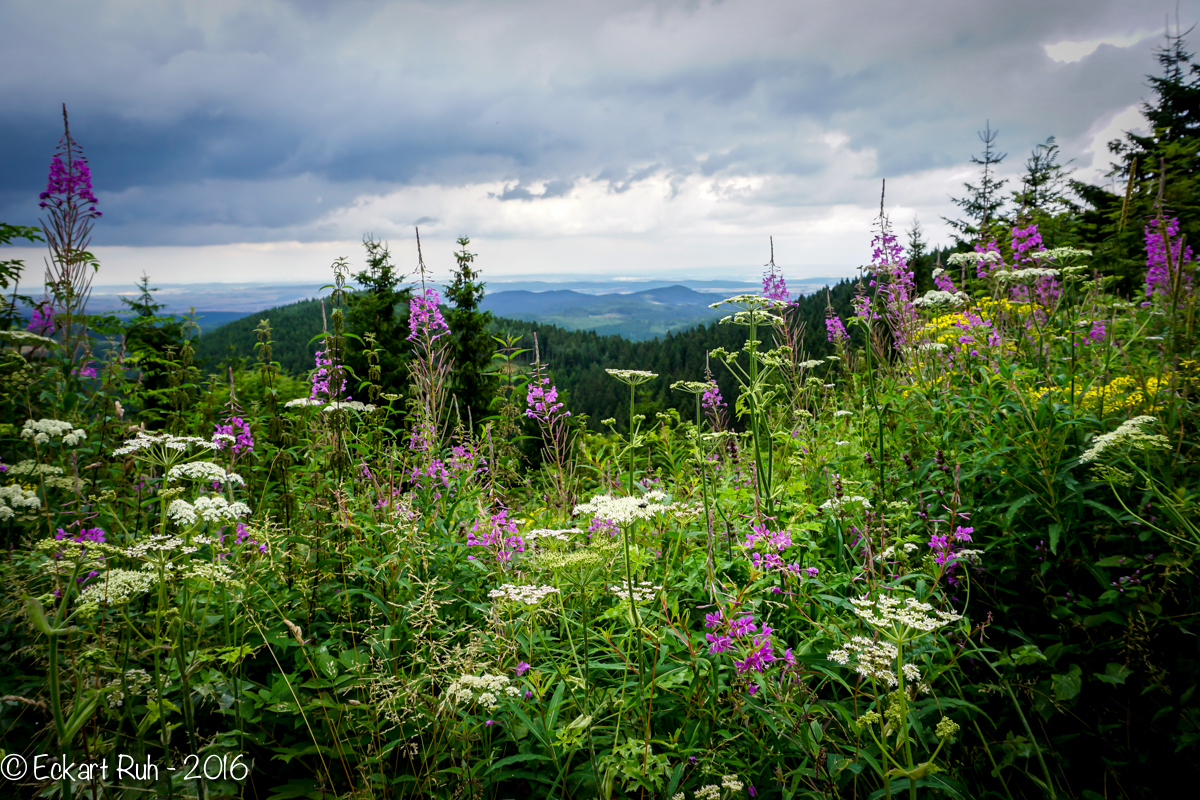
x=932, y=533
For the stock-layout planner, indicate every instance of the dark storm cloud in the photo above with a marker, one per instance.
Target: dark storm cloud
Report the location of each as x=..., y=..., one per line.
x=214, y=122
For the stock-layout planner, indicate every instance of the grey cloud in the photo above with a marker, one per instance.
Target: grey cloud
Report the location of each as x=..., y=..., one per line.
x=229, y=128
x=556, y=188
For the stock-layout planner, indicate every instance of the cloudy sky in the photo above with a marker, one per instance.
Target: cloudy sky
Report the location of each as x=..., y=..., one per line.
x=259, y=139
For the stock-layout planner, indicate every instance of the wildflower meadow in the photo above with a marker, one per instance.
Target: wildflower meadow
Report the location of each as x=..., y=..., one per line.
x=950, y=555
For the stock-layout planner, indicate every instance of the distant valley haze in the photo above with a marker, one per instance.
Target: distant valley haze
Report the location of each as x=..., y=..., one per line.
x=638, y=308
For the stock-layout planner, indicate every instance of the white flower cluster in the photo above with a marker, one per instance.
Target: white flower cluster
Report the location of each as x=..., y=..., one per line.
x=25, y=337
x=623, y=510
x=484, y=689
x=31, y=467
x=756, y=316
x=632, y=376
x=216, y=509
x=642, y=591
x=217, y=574
x=209, y=509
x=1129, y=434
x=558, y=534
x=145, y=441
x=890, y=551
x=971, y=259
x=709, y=792
x=351, y=405
x=303, y=402
x=834, y=503
x=522, y=595
x=811, y=364
x=204, y=471
x=118, y=586
x=43, y=430
x=52, y=476
x=14, y=498
x=137, y=681
x=871, y=659
x=732, y=783
x=936, y=298
x=181, y=512
x=1027, y=275
x=843, y=413
x=158, y=543
x=888, y=612
x=932, y=347
x=1060, y=254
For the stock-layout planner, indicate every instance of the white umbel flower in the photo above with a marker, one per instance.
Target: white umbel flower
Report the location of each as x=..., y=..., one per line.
x=1129, y=434
x=117, y=586
x=164, y=441
x=1027, y=275
x=485, y=689
x=935, y=298
x=15, y=498
x=522, y=595
x=1060, y=254
x=834, y=503
x=557, y=534
x=350, y=405
x=732, y=783
x=217, y=509
x=960, y=259
x=888, y=613
x=43, y=430
x=204, y=471
x=181, y=513
x=623, y=510
x=642, y=591
x=633, y=377
x=872, y=659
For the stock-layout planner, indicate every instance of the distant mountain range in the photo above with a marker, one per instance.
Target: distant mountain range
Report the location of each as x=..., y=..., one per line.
x=634, y=312
x=636, y=316
x=636, y=309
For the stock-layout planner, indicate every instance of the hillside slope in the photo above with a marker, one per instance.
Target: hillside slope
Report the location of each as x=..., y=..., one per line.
x=577, y=358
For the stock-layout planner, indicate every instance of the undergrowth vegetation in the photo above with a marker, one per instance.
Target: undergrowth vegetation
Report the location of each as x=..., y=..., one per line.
x=956, y=558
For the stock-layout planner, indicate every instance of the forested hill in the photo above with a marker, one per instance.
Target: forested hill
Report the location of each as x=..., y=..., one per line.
x=577, y=359
x=292, y=328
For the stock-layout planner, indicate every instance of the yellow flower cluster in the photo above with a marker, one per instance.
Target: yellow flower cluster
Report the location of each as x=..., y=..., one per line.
x=946, y=328
x=1124, y=393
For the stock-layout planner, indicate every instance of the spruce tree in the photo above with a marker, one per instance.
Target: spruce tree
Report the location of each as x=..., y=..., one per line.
x=471, y=344
x=380, y=307
x=1168, y=157
x=151, y=341
x=983, y=201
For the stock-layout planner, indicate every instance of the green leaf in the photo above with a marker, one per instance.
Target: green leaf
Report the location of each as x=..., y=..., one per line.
x=1055, y=532
x=1067, y=684
x=1114, y=674
x=1015, y=507
x=81, y=713
x=37, y=615
x=1107, y=616
x=504, y=762
x=327, y=664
